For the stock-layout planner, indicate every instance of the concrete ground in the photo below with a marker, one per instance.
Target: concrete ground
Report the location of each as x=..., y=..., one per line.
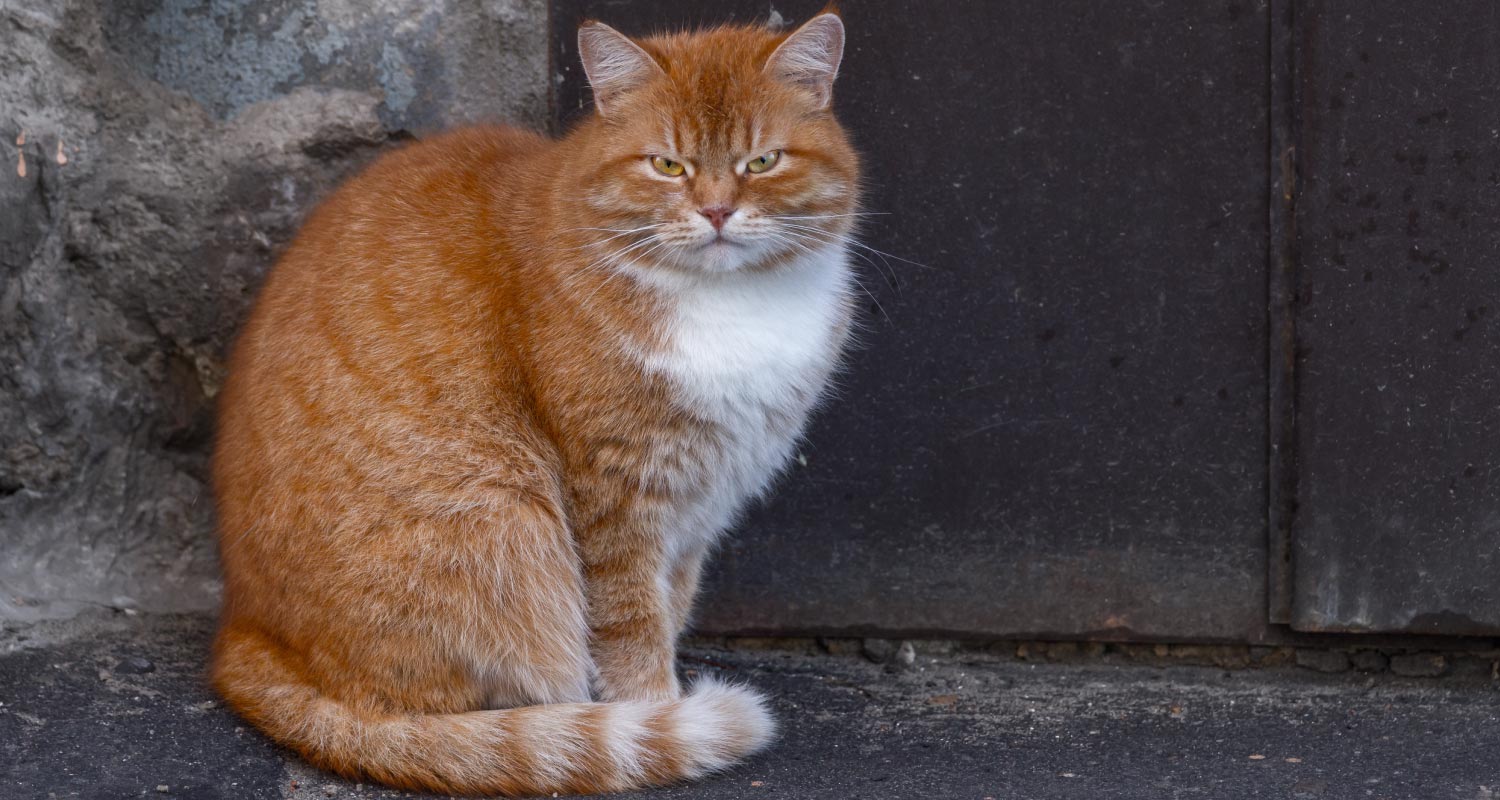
x=116, y=707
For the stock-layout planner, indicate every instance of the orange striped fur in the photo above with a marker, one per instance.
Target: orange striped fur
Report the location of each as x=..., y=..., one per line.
x=496, y=401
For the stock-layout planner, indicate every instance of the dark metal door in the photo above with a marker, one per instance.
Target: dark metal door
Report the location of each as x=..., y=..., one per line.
x=1057, y=426
x=1397, y=522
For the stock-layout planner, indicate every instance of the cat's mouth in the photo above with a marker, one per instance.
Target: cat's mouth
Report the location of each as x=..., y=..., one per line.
x=721, y=241
x=721, y=253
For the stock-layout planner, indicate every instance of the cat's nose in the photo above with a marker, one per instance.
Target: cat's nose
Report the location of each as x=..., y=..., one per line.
x=717, y=215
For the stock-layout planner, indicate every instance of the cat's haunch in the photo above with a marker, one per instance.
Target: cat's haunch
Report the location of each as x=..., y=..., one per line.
x=499, y=398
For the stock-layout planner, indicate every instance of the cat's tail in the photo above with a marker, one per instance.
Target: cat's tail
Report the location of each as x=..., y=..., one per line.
x=569, y=748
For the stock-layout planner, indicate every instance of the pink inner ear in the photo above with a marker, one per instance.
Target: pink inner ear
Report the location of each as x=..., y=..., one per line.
x=811, y=55
x=612, y=62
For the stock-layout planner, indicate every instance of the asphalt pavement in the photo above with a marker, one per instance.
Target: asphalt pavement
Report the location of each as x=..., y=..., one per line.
x=115, y=706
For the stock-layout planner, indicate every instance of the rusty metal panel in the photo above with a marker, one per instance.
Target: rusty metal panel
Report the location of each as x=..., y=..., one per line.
x=1398, y=319
x=1057, y=426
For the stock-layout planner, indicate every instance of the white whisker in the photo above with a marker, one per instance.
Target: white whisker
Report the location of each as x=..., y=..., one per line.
x=849, y=240
x=890, y=280
x=618, y=233
x=829, y=216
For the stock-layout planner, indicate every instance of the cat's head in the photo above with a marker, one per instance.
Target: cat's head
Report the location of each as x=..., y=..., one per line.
x=717, y=151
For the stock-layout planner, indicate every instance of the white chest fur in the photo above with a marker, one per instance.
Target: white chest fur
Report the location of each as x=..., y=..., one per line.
x=750, y=353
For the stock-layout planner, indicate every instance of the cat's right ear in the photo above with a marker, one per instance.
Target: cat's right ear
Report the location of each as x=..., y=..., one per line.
x=810, y=56
x=613, y=63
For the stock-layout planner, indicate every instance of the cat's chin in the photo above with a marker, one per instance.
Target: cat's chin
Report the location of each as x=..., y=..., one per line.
x=715, y=258
x=719, y=256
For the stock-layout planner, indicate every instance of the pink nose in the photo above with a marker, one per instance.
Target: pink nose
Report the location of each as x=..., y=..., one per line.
x=717, y=215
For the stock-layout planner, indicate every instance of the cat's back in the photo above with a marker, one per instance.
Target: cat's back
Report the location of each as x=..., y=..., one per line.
x=420, y=225
x=435, y=190
x=378, y=308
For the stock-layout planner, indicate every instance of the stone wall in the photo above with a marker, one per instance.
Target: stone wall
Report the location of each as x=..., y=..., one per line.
x=159, y=154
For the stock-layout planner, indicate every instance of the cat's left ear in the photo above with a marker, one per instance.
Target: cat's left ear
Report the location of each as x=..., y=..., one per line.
x=810, y=56
x=613, y=63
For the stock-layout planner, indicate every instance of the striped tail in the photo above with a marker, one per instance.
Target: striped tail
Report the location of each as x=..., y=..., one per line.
x=568, y=748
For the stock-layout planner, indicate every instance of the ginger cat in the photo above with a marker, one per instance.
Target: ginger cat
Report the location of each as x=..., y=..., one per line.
x=497, y=400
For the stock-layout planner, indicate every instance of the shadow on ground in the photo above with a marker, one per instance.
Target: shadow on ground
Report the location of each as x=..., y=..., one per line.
x=115, y=707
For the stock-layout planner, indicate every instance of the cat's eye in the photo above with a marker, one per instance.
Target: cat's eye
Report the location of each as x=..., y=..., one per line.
x=667, y=166
x=765, y=162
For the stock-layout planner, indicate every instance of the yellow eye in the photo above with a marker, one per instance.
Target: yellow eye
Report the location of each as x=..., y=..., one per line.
x=765, y=162
x=667, y=166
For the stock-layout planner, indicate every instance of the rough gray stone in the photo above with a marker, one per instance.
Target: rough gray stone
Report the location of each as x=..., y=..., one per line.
x=1370, y=661
x=880, y=650
x=134, y=665
x=1467, y=667
x=906, y=656
x=170, y=149
x=840, y=646
x=1322, y=660
x=1419, y=665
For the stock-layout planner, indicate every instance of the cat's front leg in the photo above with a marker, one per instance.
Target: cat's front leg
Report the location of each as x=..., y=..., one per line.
x=683, y=580
x=632, y=620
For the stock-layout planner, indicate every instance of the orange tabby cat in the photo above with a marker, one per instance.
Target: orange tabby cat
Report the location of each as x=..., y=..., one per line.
x=498, y=399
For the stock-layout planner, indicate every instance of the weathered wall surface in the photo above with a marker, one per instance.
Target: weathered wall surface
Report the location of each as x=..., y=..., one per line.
x=159, y=154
